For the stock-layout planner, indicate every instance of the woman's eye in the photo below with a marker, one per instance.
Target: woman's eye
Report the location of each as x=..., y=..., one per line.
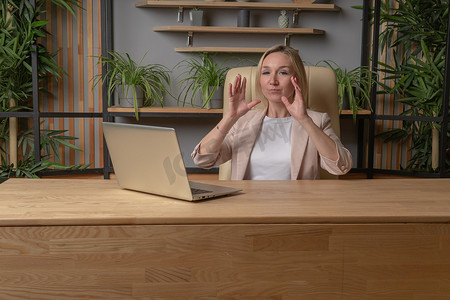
x=284, y=73
x=265, y=73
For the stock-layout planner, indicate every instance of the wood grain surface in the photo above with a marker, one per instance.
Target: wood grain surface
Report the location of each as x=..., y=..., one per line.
x=247, y=261
x=93, y=202
x=276, y=240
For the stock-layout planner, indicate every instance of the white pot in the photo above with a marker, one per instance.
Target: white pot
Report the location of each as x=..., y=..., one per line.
x=216, y=100
x=125, y=96
x=196, y=17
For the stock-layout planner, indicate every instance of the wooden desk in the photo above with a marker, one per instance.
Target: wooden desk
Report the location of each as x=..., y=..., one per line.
x=347, y=239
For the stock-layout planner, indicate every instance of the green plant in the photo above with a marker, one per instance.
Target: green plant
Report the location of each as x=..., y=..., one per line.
x=19, y=32
x=50, y=140
x=125, y=72
x=198, y=76
x=21, y=25
x=354, y=86
x=416, y=31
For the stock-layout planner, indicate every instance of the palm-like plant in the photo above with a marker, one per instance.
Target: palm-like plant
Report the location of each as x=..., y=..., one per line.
x=417, y=72
x=122, y=71
x=19, y=31
x=201, y=77
x=20, y=27
x=50, y=140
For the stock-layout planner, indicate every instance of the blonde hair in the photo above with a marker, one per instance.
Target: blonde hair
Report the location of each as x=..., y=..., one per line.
x=297, y=64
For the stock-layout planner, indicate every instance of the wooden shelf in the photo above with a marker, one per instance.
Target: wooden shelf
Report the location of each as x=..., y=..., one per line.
x=359, y=112
x=195, y=111
x=241, y=5
x=220, y=49
x=166, y=112
x=252, y=30
x=167, y=109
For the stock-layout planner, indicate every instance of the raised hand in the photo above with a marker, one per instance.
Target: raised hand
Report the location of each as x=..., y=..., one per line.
x=212, y=142
x=237, y=104
x=297, y=108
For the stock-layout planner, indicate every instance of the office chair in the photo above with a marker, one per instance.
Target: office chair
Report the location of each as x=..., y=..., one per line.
x=323, y=97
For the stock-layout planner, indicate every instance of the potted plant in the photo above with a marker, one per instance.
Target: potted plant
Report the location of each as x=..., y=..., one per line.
x=196, y=17
x=203, y=77
x=132, y=80
x=354, y=87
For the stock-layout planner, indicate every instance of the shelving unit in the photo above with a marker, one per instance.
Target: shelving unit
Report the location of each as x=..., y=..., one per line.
x=190, y=30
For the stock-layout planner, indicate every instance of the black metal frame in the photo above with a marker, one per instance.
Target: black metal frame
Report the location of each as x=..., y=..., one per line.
x=107, y=42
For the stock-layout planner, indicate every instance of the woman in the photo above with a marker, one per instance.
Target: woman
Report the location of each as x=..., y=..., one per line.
x=281, y=142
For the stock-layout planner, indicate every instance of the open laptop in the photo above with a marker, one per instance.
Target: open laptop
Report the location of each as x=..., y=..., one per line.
x=148, y=159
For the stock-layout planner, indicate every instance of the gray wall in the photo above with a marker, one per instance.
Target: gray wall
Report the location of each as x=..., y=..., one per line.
x=132, y=31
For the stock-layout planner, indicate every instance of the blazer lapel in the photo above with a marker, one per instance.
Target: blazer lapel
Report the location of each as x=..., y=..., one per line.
x=299, y=140
x=246, y=140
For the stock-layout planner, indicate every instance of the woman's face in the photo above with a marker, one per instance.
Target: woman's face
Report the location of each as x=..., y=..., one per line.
x=275, y=77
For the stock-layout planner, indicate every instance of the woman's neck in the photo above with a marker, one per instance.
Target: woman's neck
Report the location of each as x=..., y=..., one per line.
x=277, y=110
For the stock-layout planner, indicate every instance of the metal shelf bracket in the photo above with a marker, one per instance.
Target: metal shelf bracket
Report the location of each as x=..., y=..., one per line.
x=295, y=17
x=190, y=40
x=287, y=39
x=180, y=14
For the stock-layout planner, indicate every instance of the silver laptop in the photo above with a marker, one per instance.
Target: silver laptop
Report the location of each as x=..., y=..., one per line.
x=148, y=159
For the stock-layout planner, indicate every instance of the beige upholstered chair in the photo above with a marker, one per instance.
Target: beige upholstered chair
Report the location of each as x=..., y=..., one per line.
x=323, y=97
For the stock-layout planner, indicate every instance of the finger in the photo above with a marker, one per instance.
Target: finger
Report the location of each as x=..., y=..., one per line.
x=294, y=81
x=237, y=83
x=244, y=84
x=298, y=90
x=253, y=104
x=230, y=89
x=285, y=101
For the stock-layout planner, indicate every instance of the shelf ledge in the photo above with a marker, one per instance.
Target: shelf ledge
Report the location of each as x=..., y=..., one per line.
x=167, y=109
x=197, y=110
x=239, y=5
x=251, y=30
x=220, y=49
x=359, y=112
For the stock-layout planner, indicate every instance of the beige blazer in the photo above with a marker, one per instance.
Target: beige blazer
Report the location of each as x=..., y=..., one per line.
x=305, y=159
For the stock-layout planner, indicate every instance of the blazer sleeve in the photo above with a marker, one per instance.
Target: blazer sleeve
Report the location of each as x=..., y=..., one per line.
x=209, y=160
x=344, y=162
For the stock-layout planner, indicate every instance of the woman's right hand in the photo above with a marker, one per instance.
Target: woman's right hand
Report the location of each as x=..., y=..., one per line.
x=236, y=101
x=212, y=142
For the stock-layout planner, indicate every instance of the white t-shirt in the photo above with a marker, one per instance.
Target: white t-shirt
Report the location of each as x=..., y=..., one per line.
x=271, y=155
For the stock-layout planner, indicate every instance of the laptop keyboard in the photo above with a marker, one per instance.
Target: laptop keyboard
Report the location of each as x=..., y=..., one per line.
x=196, y=191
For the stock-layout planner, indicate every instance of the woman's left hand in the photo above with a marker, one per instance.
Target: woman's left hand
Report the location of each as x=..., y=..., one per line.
x=324, y=144
x=297, y=108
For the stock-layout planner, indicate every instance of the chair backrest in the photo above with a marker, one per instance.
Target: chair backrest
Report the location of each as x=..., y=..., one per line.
x=323, y=97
